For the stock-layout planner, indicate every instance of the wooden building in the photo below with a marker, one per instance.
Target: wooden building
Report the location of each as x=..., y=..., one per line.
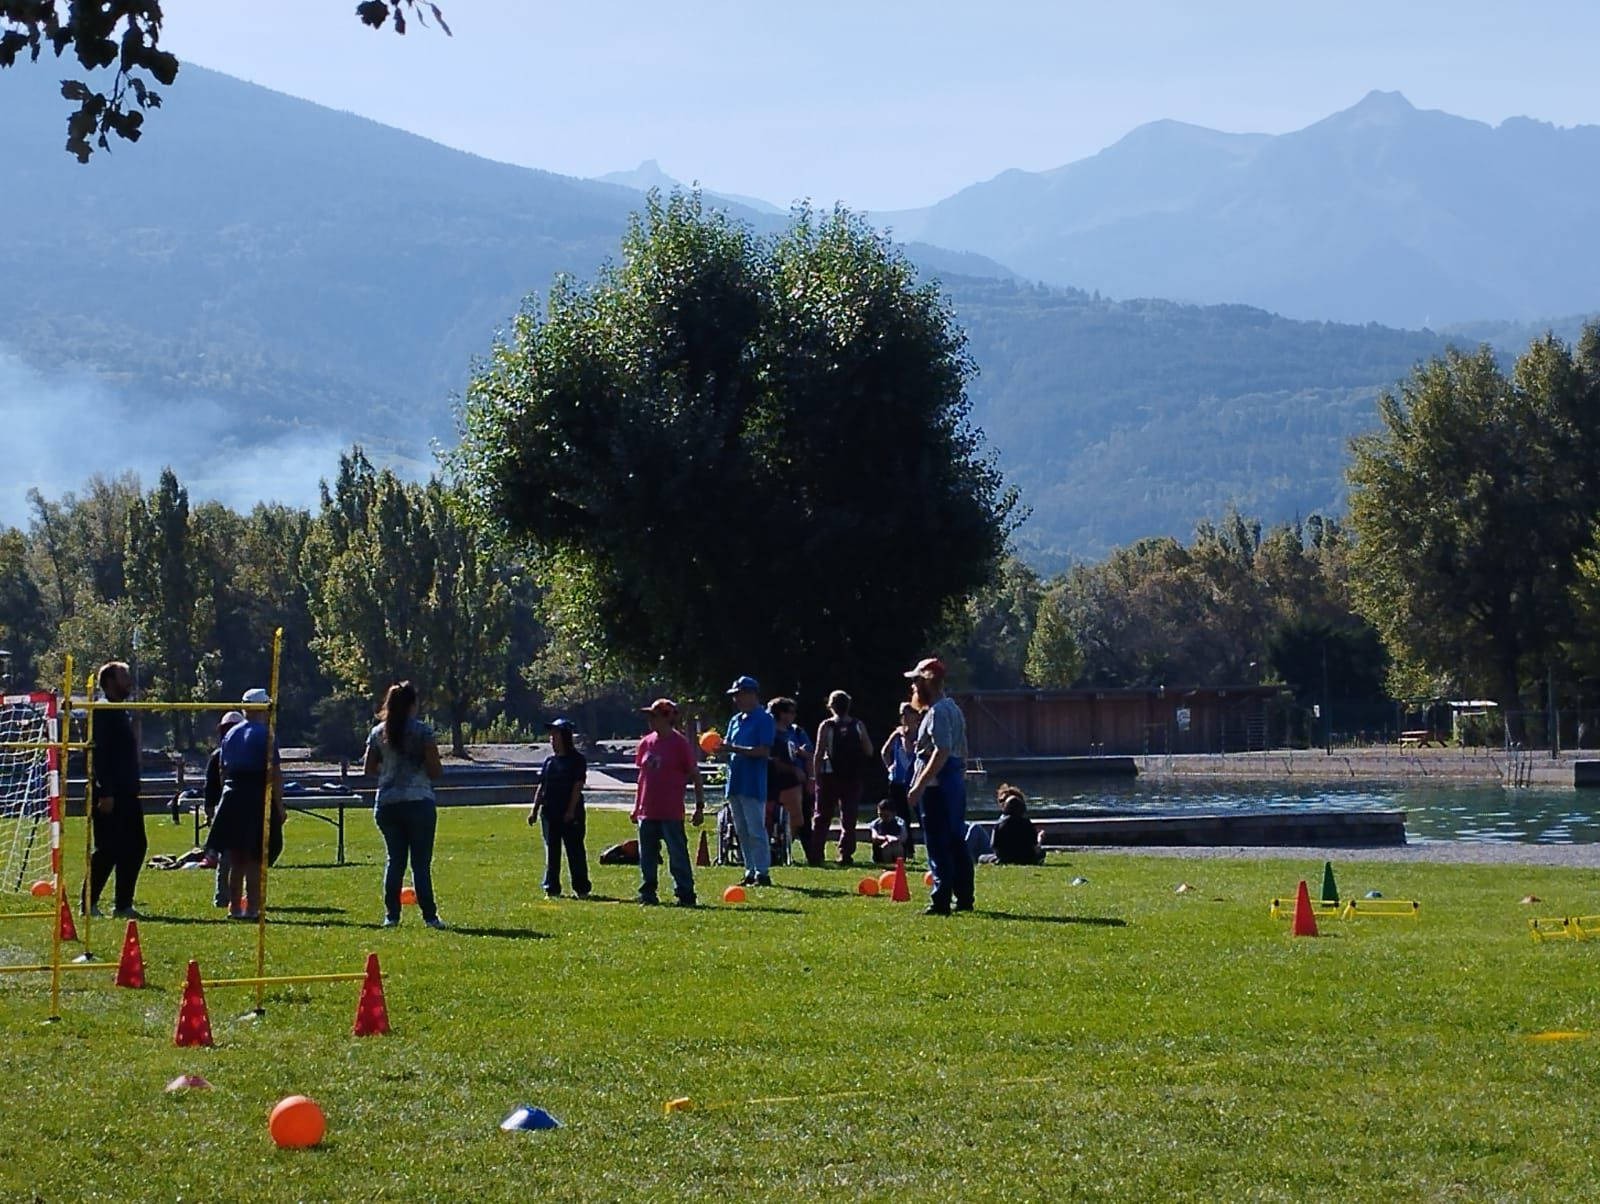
x=1124, y=722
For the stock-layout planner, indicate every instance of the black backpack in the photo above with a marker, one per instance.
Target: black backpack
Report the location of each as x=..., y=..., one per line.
x=847, y=759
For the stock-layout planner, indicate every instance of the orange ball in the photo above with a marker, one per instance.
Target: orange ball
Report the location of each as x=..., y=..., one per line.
x=927, y=878
x=886, y=880
x=710, y=741
x=41, y=888
x=734, y=894
x=408, y=894
x=867, y=886
x=296, y=1122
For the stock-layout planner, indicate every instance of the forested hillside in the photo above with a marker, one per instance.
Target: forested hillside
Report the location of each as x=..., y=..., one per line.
x=269, y=271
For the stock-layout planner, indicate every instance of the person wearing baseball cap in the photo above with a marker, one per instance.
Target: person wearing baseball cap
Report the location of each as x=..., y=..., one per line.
x=939, y=785
x=558, y=809
x=667, y=765
x=748, y=742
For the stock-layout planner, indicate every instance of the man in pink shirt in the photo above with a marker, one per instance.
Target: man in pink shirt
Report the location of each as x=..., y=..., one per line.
x=667, y=764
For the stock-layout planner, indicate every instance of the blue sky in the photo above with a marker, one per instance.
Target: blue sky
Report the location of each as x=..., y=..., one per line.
x=889, y=103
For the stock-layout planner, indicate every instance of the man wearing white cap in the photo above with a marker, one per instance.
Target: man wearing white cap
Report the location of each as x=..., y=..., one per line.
x=939, y=786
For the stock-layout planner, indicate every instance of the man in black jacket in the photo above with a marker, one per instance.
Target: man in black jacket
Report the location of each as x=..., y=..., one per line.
x=119, y=839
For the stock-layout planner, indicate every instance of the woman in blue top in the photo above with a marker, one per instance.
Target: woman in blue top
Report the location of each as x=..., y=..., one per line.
x=403, y=756
x=899, y=756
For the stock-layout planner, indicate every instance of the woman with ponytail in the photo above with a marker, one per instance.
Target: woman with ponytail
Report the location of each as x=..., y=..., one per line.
x=403, y=756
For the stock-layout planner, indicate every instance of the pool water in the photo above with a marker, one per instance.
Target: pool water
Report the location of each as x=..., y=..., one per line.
x=1433, y=812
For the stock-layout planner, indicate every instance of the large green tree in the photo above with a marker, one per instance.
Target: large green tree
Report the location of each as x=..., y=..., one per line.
x=124, y=37
x=738, y=454
x=1472, y=504
x=402, y=585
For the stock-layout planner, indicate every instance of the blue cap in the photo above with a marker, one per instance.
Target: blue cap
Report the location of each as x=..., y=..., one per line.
x=745, y=683
x=561, y=725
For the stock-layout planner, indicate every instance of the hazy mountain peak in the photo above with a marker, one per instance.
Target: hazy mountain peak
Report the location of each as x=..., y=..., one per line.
x=646, y=176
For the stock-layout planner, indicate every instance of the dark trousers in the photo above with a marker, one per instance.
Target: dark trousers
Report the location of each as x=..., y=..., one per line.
x=844, y=796
x=408, y=830
x=559, y=834
x=944, y=831
x=652, y=834
x=120, y=845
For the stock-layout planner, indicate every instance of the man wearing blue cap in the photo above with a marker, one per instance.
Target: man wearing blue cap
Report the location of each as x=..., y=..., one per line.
x=747, y=743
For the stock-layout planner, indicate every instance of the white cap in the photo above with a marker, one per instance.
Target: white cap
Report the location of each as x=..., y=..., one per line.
x=231, y=718
x=256, y=695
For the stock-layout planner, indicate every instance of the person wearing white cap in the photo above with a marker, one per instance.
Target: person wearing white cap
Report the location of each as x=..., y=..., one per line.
x=213, y=796
x=939, y=786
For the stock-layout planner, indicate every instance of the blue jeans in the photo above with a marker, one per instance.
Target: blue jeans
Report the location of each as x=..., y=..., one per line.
x=750, y=826
x=944, y=831
x=408, y=829
x=652, y=832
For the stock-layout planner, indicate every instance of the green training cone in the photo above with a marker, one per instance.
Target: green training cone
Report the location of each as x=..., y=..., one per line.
x=1330, y=892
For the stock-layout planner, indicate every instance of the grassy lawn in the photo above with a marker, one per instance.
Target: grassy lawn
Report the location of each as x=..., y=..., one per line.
x=1114, y=1039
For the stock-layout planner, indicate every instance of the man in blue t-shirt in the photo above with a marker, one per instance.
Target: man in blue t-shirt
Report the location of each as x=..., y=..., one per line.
x=748, y=743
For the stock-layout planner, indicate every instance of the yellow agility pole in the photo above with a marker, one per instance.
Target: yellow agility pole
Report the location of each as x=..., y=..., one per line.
x=266, y=823
x=88, y=812
x=261, y=980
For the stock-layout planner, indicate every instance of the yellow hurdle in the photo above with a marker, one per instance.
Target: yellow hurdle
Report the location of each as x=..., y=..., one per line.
x=1569, y=928
x=1380, y=908
x=1283, y=909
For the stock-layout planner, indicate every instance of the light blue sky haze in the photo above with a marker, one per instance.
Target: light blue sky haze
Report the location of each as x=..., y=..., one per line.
x=889, y=103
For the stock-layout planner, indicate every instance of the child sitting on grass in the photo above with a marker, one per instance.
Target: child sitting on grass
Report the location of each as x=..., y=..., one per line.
x=1016, y=837
x=890, y=836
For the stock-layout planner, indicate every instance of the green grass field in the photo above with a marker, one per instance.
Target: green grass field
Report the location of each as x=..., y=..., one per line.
x=1114, y=1039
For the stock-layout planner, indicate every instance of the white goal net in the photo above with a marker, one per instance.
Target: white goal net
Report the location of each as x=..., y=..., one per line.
x=30, y=791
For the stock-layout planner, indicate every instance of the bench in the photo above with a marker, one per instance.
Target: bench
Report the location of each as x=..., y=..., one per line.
x=1419, y=739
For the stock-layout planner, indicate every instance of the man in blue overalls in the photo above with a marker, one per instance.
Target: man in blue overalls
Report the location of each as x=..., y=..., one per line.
x=939, y=786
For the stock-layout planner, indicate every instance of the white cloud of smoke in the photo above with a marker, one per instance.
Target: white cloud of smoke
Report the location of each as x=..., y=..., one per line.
x=56, y=432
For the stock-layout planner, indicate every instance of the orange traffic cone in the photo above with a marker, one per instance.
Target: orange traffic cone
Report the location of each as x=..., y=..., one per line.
x=900, y=893
x=194, y=1025
x=1305, y=923
x=372, y=1016
x=130, y=970
x=703, y=856
x=69, y=930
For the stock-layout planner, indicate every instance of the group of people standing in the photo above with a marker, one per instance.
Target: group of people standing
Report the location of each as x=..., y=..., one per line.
x=770, y=765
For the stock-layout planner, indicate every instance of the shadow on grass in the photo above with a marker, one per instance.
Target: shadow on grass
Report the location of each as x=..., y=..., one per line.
x=324, y=865
x=813, y=892
x=767, y=907
x=1092, y=921
x=311, y=911
x=527, y=934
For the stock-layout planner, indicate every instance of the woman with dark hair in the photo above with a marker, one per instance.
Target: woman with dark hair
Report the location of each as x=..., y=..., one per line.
x=789, y=771
x=403, y=756
x=558, y=810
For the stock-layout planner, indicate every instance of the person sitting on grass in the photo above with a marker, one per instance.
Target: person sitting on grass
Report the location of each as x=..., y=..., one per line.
x=558, y=809
x=891, y=839
x=1017, y=840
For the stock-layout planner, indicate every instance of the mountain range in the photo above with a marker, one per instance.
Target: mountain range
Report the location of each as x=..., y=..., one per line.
x=1380, y=213
x=261, y=280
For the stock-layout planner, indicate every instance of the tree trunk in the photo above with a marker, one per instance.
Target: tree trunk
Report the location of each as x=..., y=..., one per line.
x=458, y=740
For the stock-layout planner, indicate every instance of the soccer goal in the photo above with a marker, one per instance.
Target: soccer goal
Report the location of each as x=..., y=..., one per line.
x=30, y=792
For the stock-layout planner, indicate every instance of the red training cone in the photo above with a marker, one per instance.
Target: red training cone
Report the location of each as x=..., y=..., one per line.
x=900, y=893
x=1305, y=923
x=703, y=856
x=372, y=1017
x=69, y=930
x=130, y=970
x=194, y=1025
